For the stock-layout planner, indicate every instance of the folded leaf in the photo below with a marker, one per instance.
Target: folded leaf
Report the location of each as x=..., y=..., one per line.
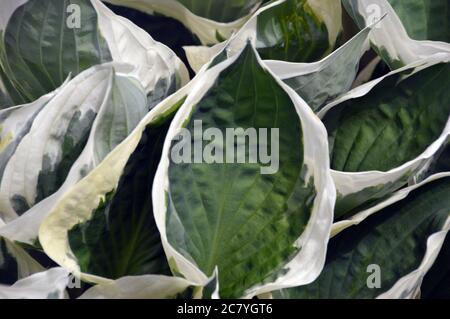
x=112, y=232
x=387, y=254
x=16, y=123
x=391, y=39
x=158, y=69
x=121, y=239
x=139, y=287
x=406, y=118
x=320, y=82
x=253, y=226
x=50, y=284
x=41, y=45
x=120, y=103
x=58, y=135
x=401, y=119
x=120, y=107
x=289, y=30
x=200, y=16
x=439, y=164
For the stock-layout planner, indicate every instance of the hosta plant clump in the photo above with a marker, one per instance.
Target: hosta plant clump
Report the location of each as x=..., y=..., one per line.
x=291, y=149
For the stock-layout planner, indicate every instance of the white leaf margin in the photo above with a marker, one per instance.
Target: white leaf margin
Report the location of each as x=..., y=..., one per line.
x=352, y=182
x=408, y=286
x=135, y=54
x=77, y=203
x=138, y=287
x=24, y=228
x=127, y=43
x=205, y=29
x=14, y=118
x=130, y=44
x=391, y=35
x=329, y=11
x=43, y=285
x=306, y=266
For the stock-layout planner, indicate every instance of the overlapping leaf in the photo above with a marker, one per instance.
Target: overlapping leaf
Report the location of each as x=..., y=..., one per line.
x=289, y=30
x=41, y=46
x=391, y=40
x=404, y=117
x=211, y=21
x=393, y=243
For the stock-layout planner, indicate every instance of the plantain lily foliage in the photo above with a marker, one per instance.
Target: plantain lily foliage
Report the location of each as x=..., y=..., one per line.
x=274, y=162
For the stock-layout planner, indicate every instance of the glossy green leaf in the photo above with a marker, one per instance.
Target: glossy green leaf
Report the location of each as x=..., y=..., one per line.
x=394, y=238
x=43, y=44
x=391, y=125
x=230, y=215
x=122, y=239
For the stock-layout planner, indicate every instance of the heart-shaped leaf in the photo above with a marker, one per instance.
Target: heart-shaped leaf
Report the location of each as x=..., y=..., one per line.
x=243, y=217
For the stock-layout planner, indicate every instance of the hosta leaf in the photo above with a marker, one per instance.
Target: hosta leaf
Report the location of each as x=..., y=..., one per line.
x=400, y=119
x=42, y=46
x=233, y=217
x=293, y=32
x=121, y=239
x=50, y=284
x=16, y=123
x=73, y=121
x=127, y=106
x=319, y=83
x=199, y=15
x=289, y=30
x=56, y=138
x=158, y=69
x=404, y=117
x=120, y=103
x=397, y=239
x=112, y=231
x=423, y=19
